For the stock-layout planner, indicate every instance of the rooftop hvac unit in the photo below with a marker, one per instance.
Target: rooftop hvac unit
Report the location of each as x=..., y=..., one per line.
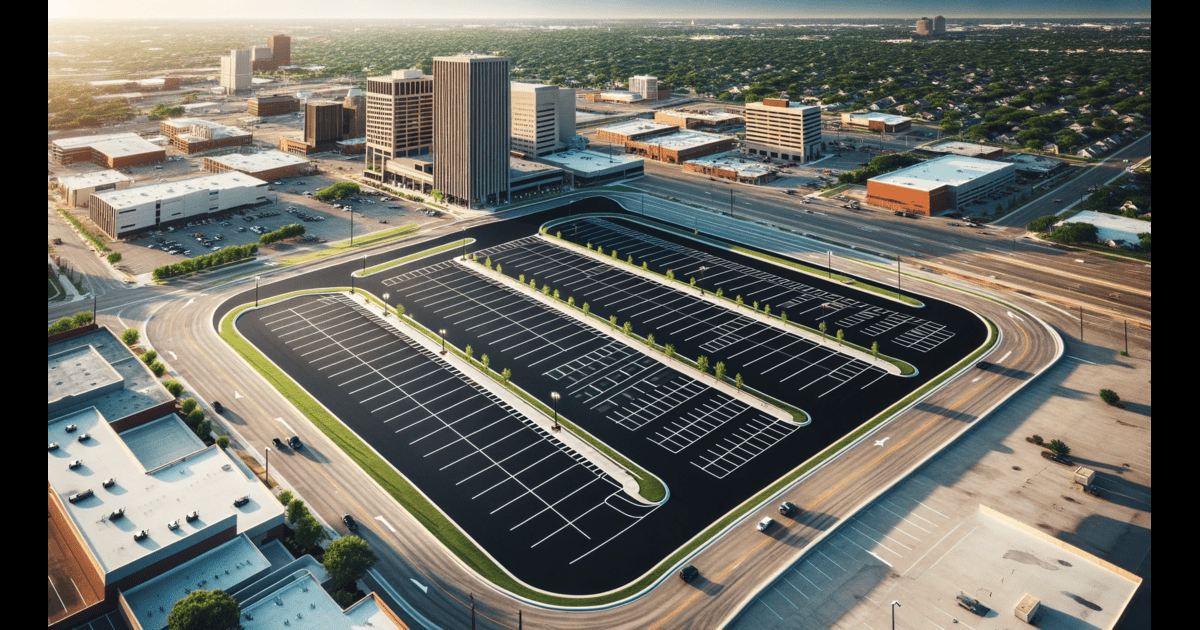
x=75, y=464
x=241, y=501
x=71, y=428
x=193, y=515
x=79, y=496
x=141, y=535
x=108, y=483
x=83, y=437
x=173, y=525
x=116, y=514
x=53, y=446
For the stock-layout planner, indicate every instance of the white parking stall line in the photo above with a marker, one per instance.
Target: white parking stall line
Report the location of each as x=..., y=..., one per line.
x=794, y=587
x=760, y=600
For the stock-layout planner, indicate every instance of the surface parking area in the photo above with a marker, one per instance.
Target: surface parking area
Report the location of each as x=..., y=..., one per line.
x=520, y=493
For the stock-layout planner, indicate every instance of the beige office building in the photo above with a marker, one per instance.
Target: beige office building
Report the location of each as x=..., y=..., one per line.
x=236, y=71
x=780, y=129
x=543, y=118
x=471, y=128
x=645, y=85
x=399, y=117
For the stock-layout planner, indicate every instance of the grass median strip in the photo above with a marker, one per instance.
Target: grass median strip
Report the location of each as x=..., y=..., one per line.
x=344, y=246
x=412, y=257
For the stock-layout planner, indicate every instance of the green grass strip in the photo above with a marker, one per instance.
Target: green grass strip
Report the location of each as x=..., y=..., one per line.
x=96, y=240
x=344, y=246
x=835, y=190
x=410, y=258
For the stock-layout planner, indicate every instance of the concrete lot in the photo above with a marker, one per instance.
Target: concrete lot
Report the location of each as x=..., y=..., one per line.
x=918, y=543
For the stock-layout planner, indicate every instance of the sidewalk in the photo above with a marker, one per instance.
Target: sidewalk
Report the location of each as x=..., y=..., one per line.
x=628, y=483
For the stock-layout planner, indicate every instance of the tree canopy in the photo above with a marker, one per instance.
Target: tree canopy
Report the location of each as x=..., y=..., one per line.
x=347, y=559
x=204, y=610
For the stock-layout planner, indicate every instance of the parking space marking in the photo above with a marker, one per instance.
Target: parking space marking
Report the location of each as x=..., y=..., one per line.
x=750, y=440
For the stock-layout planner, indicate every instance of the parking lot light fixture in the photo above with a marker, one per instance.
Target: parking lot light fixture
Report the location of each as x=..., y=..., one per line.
x=256, y=279
x=895, y=605
x=385, y=303
x=442, y=332
x=555, y=396
x=702, y=270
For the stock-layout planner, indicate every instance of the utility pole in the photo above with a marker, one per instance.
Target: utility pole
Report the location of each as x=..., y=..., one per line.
x=730, y=202
x=1081, y=322
x=1125, y=325
x=897, y=276
x=829, y=263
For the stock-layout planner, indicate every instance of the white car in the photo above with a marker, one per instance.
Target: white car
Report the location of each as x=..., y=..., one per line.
x=765, y=524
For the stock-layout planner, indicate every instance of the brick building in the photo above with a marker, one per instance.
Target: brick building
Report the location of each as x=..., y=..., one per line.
x=946, y=183
x=116, y=150
x=274, y=105
x=665, y=143
x=192, y=135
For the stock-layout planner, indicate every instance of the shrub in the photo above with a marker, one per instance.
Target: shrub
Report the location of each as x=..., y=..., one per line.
x=343, y=598
x=285, y=497
x=1041, y=224
x=287, y=231
x=149, y=356
x=1109, y=396
x=195, y=418
x=82, y=318
x=174, y=386
x=114, y=258
x=158, y=368
x=187, y=406
x=62, y=325
x=341, y=190
x=130, y=336
x=223, y=442
x=204, y=429
x=1058, y=447
x=1037, y=439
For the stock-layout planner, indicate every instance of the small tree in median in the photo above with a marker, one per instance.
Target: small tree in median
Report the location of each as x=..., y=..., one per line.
x=756, y=305
x=720, y=292
x=505, y=375
x=488, y=262
x=739, y=301
x=556, y=295
x=669, y=350
x=499, y=269
x=840, y=335
x=719, y=370
x=692, y=282
x=875, y=349
x=650, y=340
x=822, y=327
x=521, y=278
x=612, y=321
x=767, y=309
x=469, y=351
x=738, y=381
x=627, y=328
x=130, y=336
x=485, y=360
x=545, y=289
x=571, y=301
x=702, y=364
x=399, y=310
x=670, y=275
x=1109, y=396
x=586, y=309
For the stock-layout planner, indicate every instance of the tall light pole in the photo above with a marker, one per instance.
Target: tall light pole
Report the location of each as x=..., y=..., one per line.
x=464, y=242
x=555, y=396
x=442, y=332
x=351, y=225
x=267, y=476
x=731, y=202
x=895, y=605
x=702, y=270
x=256, y=279
x=385, y=303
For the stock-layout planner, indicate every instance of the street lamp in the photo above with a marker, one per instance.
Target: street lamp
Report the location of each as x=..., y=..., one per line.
x=464, y=242
x=364, y=266
x=702, y=270
x=256, y=279
x=385, y=303
x=895, y=605
x=555, y=396
x=442, y=332
x=267, y=476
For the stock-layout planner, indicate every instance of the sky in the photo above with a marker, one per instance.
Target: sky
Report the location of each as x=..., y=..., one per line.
x=558, y=9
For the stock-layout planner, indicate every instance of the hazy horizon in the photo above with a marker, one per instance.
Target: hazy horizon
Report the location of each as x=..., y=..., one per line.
x=284, y=10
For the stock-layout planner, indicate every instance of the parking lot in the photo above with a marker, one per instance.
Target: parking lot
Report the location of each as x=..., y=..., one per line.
x=534, y=504
x=323, y=223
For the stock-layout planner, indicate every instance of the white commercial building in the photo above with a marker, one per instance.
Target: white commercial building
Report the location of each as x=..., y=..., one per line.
x=543, y=118
x=78, y=189
x=588, y=168
x=236, y=71
x=781, y=129
x=645, y=85
x=1111, y=227
x=123, y=212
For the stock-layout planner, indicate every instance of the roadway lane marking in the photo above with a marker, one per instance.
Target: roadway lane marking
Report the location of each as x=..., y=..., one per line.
x=289, y=427
x=1081, y=360
x=237, y=394
x=173, y=356
x=1010, y=314
x=424, y=589
x=1006, y=355
x=386, y=524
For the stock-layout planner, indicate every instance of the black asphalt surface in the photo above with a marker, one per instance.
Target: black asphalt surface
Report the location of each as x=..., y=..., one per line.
x=712, y=452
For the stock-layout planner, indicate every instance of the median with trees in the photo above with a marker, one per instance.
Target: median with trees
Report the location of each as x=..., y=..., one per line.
x=340, y=190
x=285, y=232
x=234, y=253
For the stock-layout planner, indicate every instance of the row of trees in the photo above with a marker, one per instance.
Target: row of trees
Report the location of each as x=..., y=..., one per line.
x=878, y=166
x=200, y=263
x=340, y=190
x=82, y=318
x=287, y=231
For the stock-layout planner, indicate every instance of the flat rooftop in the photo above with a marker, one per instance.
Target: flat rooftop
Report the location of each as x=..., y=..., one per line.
x=1111, y=226
x=887, y=119
x=683, y=139
x=113, y=144
x=75, y=375
x=622, y=95
x=141, y=194
x=91, y=180
x=531, y=87
x=138, y=390
x=183, y=127
x=587, y=162
x=966, y=149
x=520, y=169
x=949, y=170
x=1033, y=163
x=302, y=603
x=255, y=162
x=230, y=565
x=207, y=481
x=634, y=127
x=714, y=117
x=791, y=105
x=161, y=441
x=732, y=162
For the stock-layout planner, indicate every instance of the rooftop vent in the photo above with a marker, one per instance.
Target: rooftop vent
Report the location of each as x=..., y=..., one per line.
x=75, y=464
x=79, y=496
x=141, y=535
x=116, y=514
x=108, y=483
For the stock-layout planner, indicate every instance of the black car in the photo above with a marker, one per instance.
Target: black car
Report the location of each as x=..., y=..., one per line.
x=350, y=523
x=983, y=365
x=973, y=605
x=787, y=508
x=218, y=407
x=277, y=442
x=688, y=573
x=294, y=442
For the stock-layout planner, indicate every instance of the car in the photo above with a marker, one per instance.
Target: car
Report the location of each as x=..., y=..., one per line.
x=295, y=443
x=787, y=508
x=765, y=524
x=350, y=523
x=689, y=573
x=983, y=365
x=953, y=224
x=1058, y=201
x=277, y=442
x=217, y=406
x=973, y=605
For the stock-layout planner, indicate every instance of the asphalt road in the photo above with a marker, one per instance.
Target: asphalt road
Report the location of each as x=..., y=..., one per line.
x=733, y=567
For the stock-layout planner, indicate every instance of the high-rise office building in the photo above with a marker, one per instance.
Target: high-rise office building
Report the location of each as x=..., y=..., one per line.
x=399, y=116
x=645, y=85
x=281, y=50
x=471, y=129
x=236, y=71
x=939, y=25
x=781, y=129
x=354, y=114
x=924, y=26
x=543, y=118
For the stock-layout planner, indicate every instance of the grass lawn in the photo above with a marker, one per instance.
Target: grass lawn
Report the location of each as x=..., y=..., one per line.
x=406, y=259
x=345, y=246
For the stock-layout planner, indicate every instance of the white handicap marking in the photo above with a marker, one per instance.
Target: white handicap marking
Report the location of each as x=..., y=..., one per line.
x=389, y=525
x=880, y=442
x=424, y=589
x=237, y=394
